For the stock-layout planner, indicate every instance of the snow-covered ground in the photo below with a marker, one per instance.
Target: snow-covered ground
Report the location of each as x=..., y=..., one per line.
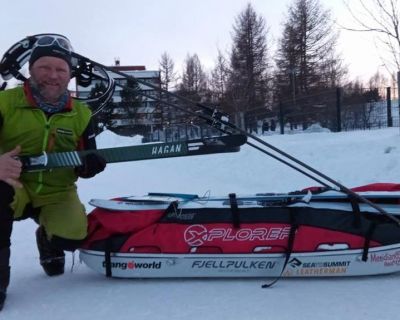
x=352, y=158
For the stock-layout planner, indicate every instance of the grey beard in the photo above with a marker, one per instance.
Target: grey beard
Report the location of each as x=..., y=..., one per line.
x=34, y=85
x=47, y=107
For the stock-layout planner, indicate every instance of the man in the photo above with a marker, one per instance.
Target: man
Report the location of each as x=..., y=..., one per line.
x=41, y=116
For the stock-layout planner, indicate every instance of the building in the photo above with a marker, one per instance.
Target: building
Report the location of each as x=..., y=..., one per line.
x=142, y=117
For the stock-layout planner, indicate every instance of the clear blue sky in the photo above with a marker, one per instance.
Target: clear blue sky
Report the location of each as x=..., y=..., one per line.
x=139, y=31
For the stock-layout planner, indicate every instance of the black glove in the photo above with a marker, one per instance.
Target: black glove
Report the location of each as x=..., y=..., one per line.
x=92, y=164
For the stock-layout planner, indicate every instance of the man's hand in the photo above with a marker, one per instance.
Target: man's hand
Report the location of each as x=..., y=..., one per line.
x=92, y=164
x=10, y=168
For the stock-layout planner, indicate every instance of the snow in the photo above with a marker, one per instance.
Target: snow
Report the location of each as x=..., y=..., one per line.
x=108, y=139
x=316, y=127
x=352, y=158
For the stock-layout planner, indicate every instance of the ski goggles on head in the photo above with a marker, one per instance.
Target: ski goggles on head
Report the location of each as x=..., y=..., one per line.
x=54, y=40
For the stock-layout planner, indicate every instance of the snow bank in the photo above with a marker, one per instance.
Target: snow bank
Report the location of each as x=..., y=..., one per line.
x=109, y=139
x=316, y=127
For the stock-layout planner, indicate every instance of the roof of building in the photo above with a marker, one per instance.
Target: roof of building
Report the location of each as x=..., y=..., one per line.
x=128, y=68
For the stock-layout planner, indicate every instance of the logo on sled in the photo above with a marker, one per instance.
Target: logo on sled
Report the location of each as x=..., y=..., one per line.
x=303, y=269
x=197, y=235
x=134, y=265
x=229, y=265
x=294, y=263
x=387, y=259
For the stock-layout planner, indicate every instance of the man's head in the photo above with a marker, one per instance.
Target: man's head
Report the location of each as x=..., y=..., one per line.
x=50, y=66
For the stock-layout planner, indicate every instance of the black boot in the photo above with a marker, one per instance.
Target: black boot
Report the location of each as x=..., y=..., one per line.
x=52, y=259
x=4, y=274
x=3, y=296
x=4, y=282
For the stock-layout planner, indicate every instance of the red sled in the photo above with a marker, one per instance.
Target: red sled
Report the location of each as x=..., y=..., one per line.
x=301, y=234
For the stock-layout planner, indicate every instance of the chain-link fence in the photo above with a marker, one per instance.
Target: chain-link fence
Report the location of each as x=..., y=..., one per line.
x=335, y=110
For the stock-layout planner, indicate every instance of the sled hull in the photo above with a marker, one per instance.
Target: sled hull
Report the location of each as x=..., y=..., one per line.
x=338, y=263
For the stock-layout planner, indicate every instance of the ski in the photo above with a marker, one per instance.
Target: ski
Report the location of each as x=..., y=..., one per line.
x=220, y=144
x=328, y=195
x=327, y=200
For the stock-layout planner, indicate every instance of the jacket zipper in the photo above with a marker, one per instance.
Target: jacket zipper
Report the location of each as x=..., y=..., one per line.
x=44, y=145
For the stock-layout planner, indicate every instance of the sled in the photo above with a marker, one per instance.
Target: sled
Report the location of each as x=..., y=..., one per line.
x=302, y=234
x=333, y=231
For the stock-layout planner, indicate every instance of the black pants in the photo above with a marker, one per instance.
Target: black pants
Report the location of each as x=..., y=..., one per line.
x=6, y=223
x=6, y=214
x=7, y=218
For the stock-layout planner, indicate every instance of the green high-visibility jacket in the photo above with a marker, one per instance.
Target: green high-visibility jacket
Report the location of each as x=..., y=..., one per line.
x=28, y=126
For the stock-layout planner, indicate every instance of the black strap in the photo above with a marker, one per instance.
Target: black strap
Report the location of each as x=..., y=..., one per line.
x=289, y=248
x=234, y=210
x=367, y=241
x=172, y=208
x=356, y=210
x=107, y=258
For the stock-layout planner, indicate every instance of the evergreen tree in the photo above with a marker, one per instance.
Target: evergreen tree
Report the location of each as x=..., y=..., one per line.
x=131, y=100
x=247, y=82
x=306, y=57
x=307, y=63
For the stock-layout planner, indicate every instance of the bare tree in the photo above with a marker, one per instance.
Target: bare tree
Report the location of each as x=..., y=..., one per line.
x=219, y=78
x=382, y=18
x=167, y=73
x=379, y=81
x=194, y=79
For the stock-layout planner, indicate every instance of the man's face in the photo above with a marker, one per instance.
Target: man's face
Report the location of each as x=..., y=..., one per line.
x=51, y=76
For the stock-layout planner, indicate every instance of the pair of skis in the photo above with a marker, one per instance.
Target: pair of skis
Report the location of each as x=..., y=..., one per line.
x=325, y=200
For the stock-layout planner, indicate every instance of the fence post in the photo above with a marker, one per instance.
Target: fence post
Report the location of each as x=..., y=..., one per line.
x=281, y=121
x=398, y=92
x=389, y=107
x=338, y=109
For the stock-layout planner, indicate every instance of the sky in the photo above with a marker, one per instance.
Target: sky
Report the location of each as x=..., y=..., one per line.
x=138, y=32
x=352, y=158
